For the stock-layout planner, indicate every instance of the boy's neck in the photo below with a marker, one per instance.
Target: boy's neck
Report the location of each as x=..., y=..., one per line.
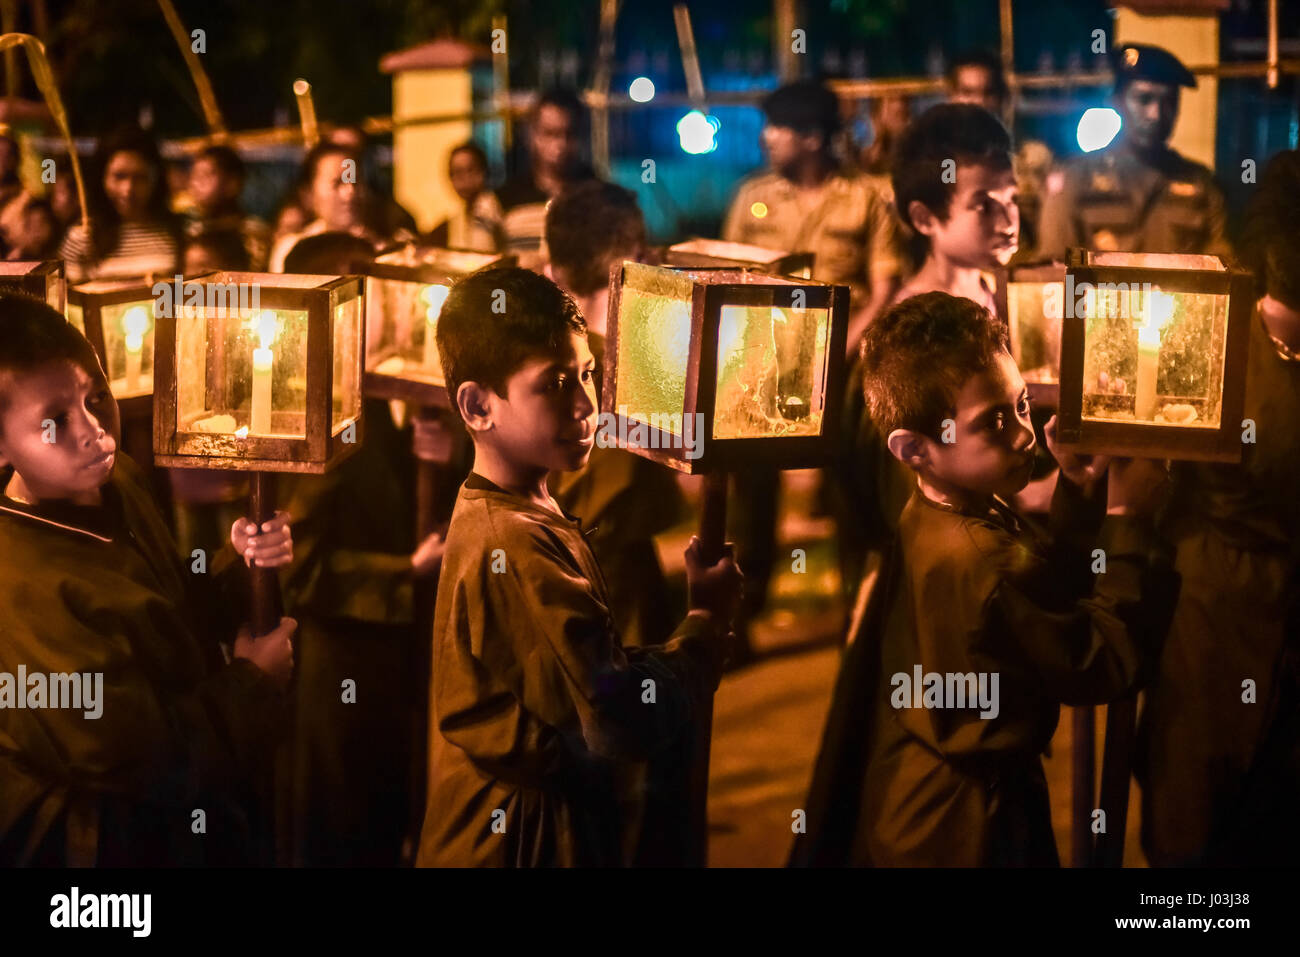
x=940, y=274
x=527, y=483
x=950, y=496
x=20, y=491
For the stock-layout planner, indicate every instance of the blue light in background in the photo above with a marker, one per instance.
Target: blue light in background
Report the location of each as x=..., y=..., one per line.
x=1097, y=128
x=698, y=133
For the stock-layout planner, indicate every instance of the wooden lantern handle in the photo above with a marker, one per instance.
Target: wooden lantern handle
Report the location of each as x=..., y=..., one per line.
x=268, y=605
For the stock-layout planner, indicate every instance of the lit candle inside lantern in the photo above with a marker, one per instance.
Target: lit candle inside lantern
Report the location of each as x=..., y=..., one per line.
x=1160, y=309
x=260, y=418
x=135, y=323
x=433, y=296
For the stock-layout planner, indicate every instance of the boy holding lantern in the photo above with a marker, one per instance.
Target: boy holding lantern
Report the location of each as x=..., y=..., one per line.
x=539, y=718
x=92, y=589
x=972, y=595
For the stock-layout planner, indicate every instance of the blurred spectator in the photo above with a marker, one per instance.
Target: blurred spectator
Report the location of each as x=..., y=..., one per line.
x=554, y=165
x=889, y=117
x=135, y=233
x=216, y=183
x=333, y=188
x=39, y=235
x=477, y=226
x=13, y=198
x=63, y=194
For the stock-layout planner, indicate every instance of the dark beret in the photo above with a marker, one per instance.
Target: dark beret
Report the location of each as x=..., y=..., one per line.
x=1137, y=61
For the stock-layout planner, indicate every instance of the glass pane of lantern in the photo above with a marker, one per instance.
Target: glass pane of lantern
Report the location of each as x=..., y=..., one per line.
x=1035, y=328
x=56, y=294
x=347, y=330
x=771, y=371
x=241, y=374
x=401, y=322
x=76, y=317
x=128, y=346
x=1154, y=356
x=654, y=339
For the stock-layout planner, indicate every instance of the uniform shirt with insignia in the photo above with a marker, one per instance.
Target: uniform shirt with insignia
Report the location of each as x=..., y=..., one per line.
x=851, y=230
x=1115, y=201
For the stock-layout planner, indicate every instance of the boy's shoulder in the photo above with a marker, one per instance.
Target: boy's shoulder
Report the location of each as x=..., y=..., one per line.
x=488, y=523
x=963, y=548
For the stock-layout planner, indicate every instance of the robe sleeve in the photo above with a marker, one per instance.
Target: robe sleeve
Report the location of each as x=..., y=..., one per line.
x=1092, y=649
x=630, y=704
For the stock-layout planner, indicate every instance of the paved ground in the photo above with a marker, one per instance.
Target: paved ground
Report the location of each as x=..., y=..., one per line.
x=768, y=716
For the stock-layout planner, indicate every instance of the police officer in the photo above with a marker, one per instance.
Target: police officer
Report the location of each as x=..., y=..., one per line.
x=1137, y=195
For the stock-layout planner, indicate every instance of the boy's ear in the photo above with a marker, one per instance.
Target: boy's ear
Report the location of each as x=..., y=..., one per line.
x=922, y=219
x=910, y=448
x=474, y=401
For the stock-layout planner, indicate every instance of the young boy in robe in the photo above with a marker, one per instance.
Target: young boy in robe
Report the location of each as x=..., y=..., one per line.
x=916, y=771
x=1219, y=740
x=91, y=587
x=588, y=229
x=538, y=715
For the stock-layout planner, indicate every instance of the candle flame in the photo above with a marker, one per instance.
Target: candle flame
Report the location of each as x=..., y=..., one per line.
x=135, y=323
x=242, y=432
x=1158, y=314
x=267, y=326
x=434, y=296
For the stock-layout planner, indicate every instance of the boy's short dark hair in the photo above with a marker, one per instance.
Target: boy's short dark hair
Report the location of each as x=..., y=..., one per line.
x=333, y=253
x=226, y=160
x=1268, y=246
x=807, y=107
x=587, y=228
x=494, y=320
x=225, y=246
x=917, y=356
x=32, y=335
x=962, y=132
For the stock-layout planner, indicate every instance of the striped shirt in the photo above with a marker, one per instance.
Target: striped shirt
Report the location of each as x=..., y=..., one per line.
x=142, y=249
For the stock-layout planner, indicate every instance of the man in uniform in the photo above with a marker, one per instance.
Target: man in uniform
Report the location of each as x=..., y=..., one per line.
x=806, y=203
x=1137, y=195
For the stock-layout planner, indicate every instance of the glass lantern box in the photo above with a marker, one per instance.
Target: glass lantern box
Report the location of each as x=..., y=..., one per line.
x=1153, y=355
x=405, y=292
x=117, y=317
x=41, y=279
x=721, y=254
x=261, y=373
x=1031, y=299
x=717, y=369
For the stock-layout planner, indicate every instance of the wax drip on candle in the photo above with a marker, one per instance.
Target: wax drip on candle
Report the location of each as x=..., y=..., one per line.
x=433, y=297
x=135, y=323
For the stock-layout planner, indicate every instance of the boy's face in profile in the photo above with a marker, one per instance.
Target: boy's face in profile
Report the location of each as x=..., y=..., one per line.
x=992, y=452
x=546, y=420
x=58, y=432
x=982, y=229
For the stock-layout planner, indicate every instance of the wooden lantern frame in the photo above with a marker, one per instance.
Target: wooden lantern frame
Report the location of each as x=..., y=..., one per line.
x=1153, y=440
x=717, y=253
x=711, y=289
x=323, y=447
x=439, y=267
x=45, y=279
x=92, y=304
x=1040, y=393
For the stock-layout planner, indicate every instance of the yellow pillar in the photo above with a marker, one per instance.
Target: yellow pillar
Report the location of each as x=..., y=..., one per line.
x=433, y=79
x=1193, y=37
